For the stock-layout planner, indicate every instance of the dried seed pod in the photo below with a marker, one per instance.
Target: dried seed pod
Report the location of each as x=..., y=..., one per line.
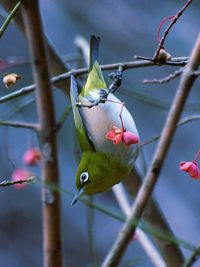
x=10, y=79
x=163, y=56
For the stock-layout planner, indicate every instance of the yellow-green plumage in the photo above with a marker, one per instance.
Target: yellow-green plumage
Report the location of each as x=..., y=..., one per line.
x=105, y=170
x=95, y=80
x=104, y=163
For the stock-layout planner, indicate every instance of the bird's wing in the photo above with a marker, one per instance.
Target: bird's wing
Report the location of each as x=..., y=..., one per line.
x=83, y=135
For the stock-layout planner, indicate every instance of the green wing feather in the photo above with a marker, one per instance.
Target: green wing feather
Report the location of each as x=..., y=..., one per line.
x=95, y=80
x=83, y=136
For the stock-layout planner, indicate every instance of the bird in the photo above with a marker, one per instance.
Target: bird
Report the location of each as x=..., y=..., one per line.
x=106, y=131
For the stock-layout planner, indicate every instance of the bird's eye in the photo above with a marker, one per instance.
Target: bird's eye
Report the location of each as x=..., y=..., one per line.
x=84, y=177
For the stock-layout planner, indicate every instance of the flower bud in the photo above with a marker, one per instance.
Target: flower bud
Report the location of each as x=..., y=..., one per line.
x=32, y=156
x=191, y=168
x=130, y=138
x=163, y=56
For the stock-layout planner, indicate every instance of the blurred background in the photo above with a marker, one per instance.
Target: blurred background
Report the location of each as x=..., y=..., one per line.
x=126, y=28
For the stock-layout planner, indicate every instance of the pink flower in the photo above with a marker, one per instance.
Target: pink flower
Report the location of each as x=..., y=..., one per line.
x=20, y=174
x=32, y=156
x=191, y=168
x=116, y=135
x=130, y=138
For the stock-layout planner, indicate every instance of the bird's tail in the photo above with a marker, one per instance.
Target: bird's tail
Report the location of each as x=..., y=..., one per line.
x=94, y=50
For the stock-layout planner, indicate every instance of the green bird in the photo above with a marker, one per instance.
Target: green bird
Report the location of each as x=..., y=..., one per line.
x=106, y=132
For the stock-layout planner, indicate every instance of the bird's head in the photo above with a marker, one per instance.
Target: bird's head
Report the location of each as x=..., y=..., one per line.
x=97, y=172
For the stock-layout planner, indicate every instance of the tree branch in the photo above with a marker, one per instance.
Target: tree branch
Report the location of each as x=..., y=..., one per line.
x=128, y=229
x=154, y=216
x=142, y=237
x=185, y=120
x=21, y=181
x=170, y=77
x=45, y=108
x=19, y=124
x=174, y=20
x=66, y=76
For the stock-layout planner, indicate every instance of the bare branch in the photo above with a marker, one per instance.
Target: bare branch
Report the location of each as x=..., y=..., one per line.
x=142, y=237
x=182, y=122
x=63, y=117
x=66, y=76
x=172, y=62
x=45, y=108
x=170, y=77
x=173, y=21
x=31, y=179
x=19, y=124
x=154, y=216
x=128, y=229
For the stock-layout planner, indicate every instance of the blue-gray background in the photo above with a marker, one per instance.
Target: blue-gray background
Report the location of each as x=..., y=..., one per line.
x=126, y=28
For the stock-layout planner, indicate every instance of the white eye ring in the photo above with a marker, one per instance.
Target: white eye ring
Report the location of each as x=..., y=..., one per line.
x=84, y=177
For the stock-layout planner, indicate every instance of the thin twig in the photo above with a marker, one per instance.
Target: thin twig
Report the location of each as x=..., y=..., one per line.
x=9, y=18
x=63, y=117
x=8, y=153
x=185, y=120
x=173, y=21
x=154, y=102
x=170, y=77
x=143, y=239
x=154, y=216
x=171, y=62
x=114, y=256
x=65, y=76
x=19, y=107
x=31, y=179
x=45, y=107
x=193, y=258
x=19, y=124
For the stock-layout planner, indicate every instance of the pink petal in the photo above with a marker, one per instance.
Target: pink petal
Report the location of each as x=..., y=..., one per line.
x=117, y=139
x=110, y=135
x=184, y=165
x=130, y=138
x=117, y=130
x=191, y=168
x=194, y=171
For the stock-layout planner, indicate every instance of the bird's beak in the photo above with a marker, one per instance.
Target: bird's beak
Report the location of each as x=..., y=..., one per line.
x=77, y=196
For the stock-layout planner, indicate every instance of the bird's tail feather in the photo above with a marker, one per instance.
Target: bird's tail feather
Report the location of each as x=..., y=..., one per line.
x=94, y=50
